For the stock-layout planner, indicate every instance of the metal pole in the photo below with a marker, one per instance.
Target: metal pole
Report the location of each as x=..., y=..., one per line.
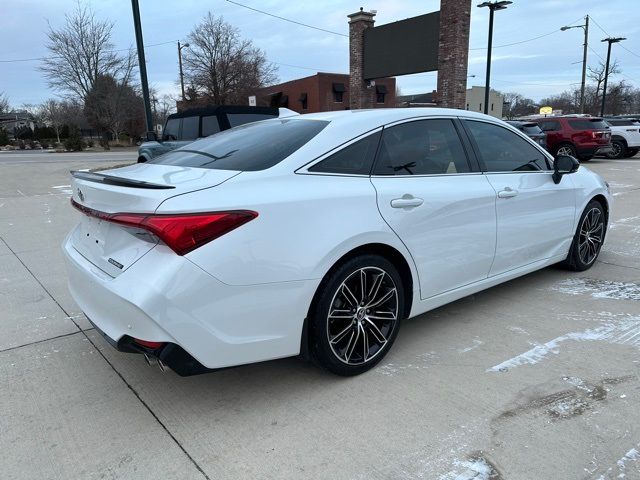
x=606, y=74
x=142, y=64
x=181, y=74
x=584, y=63
x=487, y=81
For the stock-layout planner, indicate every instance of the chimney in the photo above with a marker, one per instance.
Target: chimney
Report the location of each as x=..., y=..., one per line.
x=453, y=52
x=359, y=95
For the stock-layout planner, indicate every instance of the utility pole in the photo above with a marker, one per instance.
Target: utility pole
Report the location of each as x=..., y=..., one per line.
x=609, y=40
x=493, y=6
x=180, y=47
x=585, y=27
x=142, y=64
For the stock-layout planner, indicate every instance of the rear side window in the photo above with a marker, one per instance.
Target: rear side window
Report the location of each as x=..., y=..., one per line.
x=423, y=147
x=171, y=129
x=587, y=124
x=210, y=125
x=622, y=123
x=190, y=127
x=236, y=119
x=251, y=147
x=356, y=159
x=502, y=150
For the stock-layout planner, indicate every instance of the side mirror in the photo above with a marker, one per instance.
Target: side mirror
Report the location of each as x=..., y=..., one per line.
x=152, y=137
x=564, y=165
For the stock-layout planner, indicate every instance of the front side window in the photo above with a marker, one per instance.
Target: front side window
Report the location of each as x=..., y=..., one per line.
x=355, y=159
x=423, y=147
x=190, y=126
x=502, y=150
x=250, y=147
x=171, y=129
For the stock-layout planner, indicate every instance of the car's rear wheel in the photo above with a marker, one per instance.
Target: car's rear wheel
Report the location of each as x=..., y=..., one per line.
x=618, y=149
x=566, y=149
x=588, y=238
x=356, y=315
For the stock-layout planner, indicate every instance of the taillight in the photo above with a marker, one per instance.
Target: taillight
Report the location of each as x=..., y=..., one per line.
x=181, y=232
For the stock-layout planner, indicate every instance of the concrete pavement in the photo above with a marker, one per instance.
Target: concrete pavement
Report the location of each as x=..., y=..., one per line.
x=538, y=378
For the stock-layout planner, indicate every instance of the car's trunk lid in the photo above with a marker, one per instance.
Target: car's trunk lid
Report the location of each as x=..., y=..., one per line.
x=139, y=188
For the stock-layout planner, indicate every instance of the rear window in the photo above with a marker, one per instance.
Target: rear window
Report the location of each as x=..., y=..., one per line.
x=622, y=122
x=251, y=147
x=236, y=119
x=531, y=129
x=588, y=124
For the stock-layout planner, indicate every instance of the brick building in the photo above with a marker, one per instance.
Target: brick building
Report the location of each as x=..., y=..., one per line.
x=323, y=92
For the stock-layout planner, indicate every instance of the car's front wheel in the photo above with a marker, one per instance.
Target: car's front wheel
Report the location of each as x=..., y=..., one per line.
x=356, y=315
x=588, y=238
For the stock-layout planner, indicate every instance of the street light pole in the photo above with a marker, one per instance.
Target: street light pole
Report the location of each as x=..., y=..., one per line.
x=610, y=41
x=180, y=47
x=493, y=6
x=585, y=27
x=142, y=65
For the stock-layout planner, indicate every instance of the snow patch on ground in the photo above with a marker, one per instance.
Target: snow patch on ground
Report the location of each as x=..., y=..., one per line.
x=632, y=456
x=599, y=288
x=620, y=329
x=65, y=189
x=473, y=469
x=476, y=344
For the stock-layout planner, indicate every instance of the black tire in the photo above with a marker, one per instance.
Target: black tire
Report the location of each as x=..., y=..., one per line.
x=585, y=249
x=619, y=149
x=336, y=344
x=566, y=149
x=142, y=159
x=631, y=152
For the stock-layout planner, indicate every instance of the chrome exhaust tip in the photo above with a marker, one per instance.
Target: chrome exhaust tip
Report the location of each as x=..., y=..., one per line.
x=161, y=365
x=147, y=359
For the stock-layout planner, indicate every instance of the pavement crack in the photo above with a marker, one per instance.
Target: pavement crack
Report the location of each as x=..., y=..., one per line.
x=42, y=341
x=129, y=386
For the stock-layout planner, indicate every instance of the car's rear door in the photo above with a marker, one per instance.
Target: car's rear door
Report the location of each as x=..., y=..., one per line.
x=535, y=215
x=443, y=210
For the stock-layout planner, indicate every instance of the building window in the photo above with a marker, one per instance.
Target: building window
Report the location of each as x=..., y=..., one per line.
x=338, y=92
x=467, y=106
x=381, y=91
x=492, y=107
x=303, y=100
x=480, y=108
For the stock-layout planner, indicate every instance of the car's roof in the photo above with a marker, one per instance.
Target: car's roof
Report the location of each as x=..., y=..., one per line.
x=388, y=115
x=214, y=109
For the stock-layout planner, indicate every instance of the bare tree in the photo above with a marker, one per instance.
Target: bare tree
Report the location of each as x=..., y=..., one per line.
x=517, y=105
x=222, y=67
x=80, y=51
x=4, y=103
x=53, y=113
x=596, y=74
x=162, y=106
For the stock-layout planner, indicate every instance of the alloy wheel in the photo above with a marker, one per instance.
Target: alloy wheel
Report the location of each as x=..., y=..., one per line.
x=616, y=150
x=362, y=315
x=591, y=235
x=565, y=150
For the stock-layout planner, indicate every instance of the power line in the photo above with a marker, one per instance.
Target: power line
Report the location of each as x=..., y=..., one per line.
x=39, y=59
x=287, y=19
x=538, y=84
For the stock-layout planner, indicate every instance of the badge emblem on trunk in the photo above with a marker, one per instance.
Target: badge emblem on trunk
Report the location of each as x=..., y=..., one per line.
x=80, y=195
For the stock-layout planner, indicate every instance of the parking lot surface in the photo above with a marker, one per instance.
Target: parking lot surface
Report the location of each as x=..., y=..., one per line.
x=537, y=378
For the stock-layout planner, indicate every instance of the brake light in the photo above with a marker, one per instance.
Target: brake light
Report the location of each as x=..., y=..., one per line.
x=181, y=232
x=148, y=344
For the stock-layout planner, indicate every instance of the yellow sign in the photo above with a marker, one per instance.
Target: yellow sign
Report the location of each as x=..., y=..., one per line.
x=546, y=110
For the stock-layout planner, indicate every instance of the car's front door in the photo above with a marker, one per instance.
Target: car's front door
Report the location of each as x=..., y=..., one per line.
x=535, y=215
x=442, y=210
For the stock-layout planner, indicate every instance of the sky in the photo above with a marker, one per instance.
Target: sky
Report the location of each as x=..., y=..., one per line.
x=537, y=68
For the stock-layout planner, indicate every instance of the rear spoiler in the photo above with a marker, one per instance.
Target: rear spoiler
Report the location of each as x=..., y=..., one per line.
x=118, y=181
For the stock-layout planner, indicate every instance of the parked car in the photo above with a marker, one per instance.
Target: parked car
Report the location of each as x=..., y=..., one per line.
x=531, y=130
x=625, y=137
x=577, y=136
x=318, y=234
x=185, y=127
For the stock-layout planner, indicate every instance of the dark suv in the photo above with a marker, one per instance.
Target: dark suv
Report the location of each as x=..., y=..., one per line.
x=531, y=130
x=185, y=127
x=580, y=137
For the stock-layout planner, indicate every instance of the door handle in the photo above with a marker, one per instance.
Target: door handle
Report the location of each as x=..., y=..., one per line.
x=508, y=192
x=407, y=201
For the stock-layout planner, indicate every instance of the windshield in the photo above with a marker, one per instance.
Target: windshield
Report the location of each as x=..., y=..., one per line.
x=250, y=147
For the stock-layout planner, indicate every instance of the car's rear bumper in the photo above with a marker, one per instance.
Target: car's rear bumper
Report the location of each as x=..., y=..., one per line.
x=591, y=150
x=166, y=298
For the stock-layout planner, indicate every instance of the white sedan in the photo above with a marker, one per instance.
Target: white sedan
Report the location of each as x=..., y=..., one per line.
x=317, y=234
